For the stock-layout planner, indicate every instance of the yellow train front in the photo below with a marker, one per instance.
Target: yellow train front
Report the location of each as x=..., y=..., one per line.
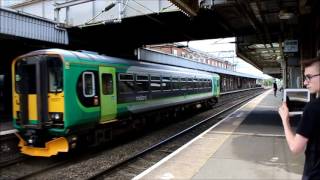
x=62, y=98
x=38, y=104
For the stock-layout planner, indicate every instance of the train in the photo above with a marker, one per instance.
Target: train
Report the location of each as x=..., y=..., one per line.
x=63, y=97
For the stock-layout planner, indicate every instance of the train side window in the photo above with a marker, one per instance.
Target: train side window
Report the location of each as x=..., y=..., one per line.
x=107, y=84
x=166, y=83
x=190, y=84
x=88, y=84
x=194, y=83
x=126, y=83
x=175, y=83
x=142, y=83
x=155, y=78
x=204, y=83
x=155, y=84
x=183, y=83
x=126, y=77
x=88, y=89
x=199, y=83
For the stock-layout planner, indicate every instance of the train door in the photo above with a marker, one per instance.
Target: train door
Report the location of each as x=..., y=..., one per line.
x=107, y=79
x=31, y=92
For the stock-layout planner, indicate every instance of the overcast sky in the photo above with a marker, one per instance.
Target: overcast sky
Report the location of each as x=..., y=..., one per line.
x=226, y=44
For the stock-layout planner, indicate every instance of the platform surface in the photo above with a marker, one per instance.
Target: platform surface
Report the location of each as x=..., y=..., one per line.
x=6, y=127
x=248, y=144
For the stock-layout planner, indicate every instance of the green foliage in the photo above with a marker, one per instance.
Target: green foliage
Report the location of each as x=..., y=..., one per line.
x=268, y=82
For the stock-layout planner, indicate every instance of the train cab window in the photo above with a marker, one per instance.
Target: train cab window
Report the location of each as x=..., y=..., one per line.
x=166, y=83
x=126, y=83
x=55, y=75
x=155, y=84
x=142, y=83
x=25, y=77
x=107, y=84
x=88, y=84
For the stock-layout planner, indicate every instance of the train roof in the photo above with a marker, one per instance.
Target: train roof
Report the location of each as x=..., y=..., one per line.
x=147, y=56
x=81, y=56
x=163, y=58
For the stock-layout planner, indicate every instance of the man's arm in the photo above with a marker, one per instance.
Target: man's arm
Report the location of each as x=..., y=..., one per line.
x=296, y=142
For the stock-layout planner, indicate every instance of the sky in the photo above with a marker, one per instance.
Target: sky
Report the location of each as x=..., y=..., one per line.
x=212, y=46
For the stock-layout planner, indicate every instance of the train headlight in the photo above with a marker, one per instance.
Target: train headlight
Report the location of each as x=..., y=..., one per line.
x=55, y=116
x=56, y=119
x=30, y=141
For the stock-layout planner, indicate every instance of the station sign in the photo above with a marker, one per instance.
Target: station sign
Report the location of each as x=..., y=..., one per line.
x=290, y=46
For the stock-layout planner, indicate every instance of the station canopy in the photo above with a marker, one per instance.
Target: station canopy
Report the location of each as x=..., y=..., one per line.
x=261, y=28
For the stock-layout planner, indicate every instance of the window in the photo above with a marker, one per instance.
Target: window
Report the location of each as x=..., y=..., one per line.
x=88, y=89
x=25, y=78
x=184, y=84
x=55, y=74
x=190, y=84
x=166, y=83
x=175, y=52
x=26, y=71
x=126, y=77
x=155, y=84
x=155, y=78
x=195, y=83
x=175, y=83
x=126, y=84
x=142, y=77
x=199, y=84
x=142, y=83
x=107, y=84
x=88, y=84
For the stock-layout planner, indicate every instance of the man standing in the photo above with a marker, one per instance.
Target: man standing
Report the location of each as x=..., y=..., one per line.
x=275, y=88
x=308, y=130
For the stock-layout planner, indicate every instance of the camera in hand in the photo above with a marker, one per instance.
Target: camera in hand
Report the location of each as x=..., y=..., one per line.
x=296, y=100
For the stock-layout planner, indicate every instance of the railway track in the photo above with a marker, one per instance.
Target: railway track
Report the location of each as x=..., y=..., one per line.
x=54, y=165
x=125, y=167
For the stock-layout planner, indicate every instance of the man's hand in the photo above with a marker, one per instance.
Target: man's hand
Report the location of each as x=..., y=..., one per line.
x=284, y=112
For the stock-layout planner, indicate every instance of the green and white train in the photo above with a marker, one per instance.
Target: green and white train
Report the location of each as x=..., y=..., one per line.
x=60, y=96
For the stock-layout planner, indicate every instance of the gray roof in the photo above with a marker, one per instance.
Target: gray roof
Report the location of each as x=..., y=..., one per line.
x=18, y=24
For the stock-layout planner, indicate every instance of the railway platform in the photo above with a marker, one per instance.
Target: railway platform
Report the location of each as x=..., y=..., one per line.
x=6, y=127
x=248, y=144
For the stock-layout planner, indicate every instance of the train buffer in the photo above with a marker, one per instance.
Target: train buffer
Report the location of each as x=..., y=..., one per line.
x=248, y=144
